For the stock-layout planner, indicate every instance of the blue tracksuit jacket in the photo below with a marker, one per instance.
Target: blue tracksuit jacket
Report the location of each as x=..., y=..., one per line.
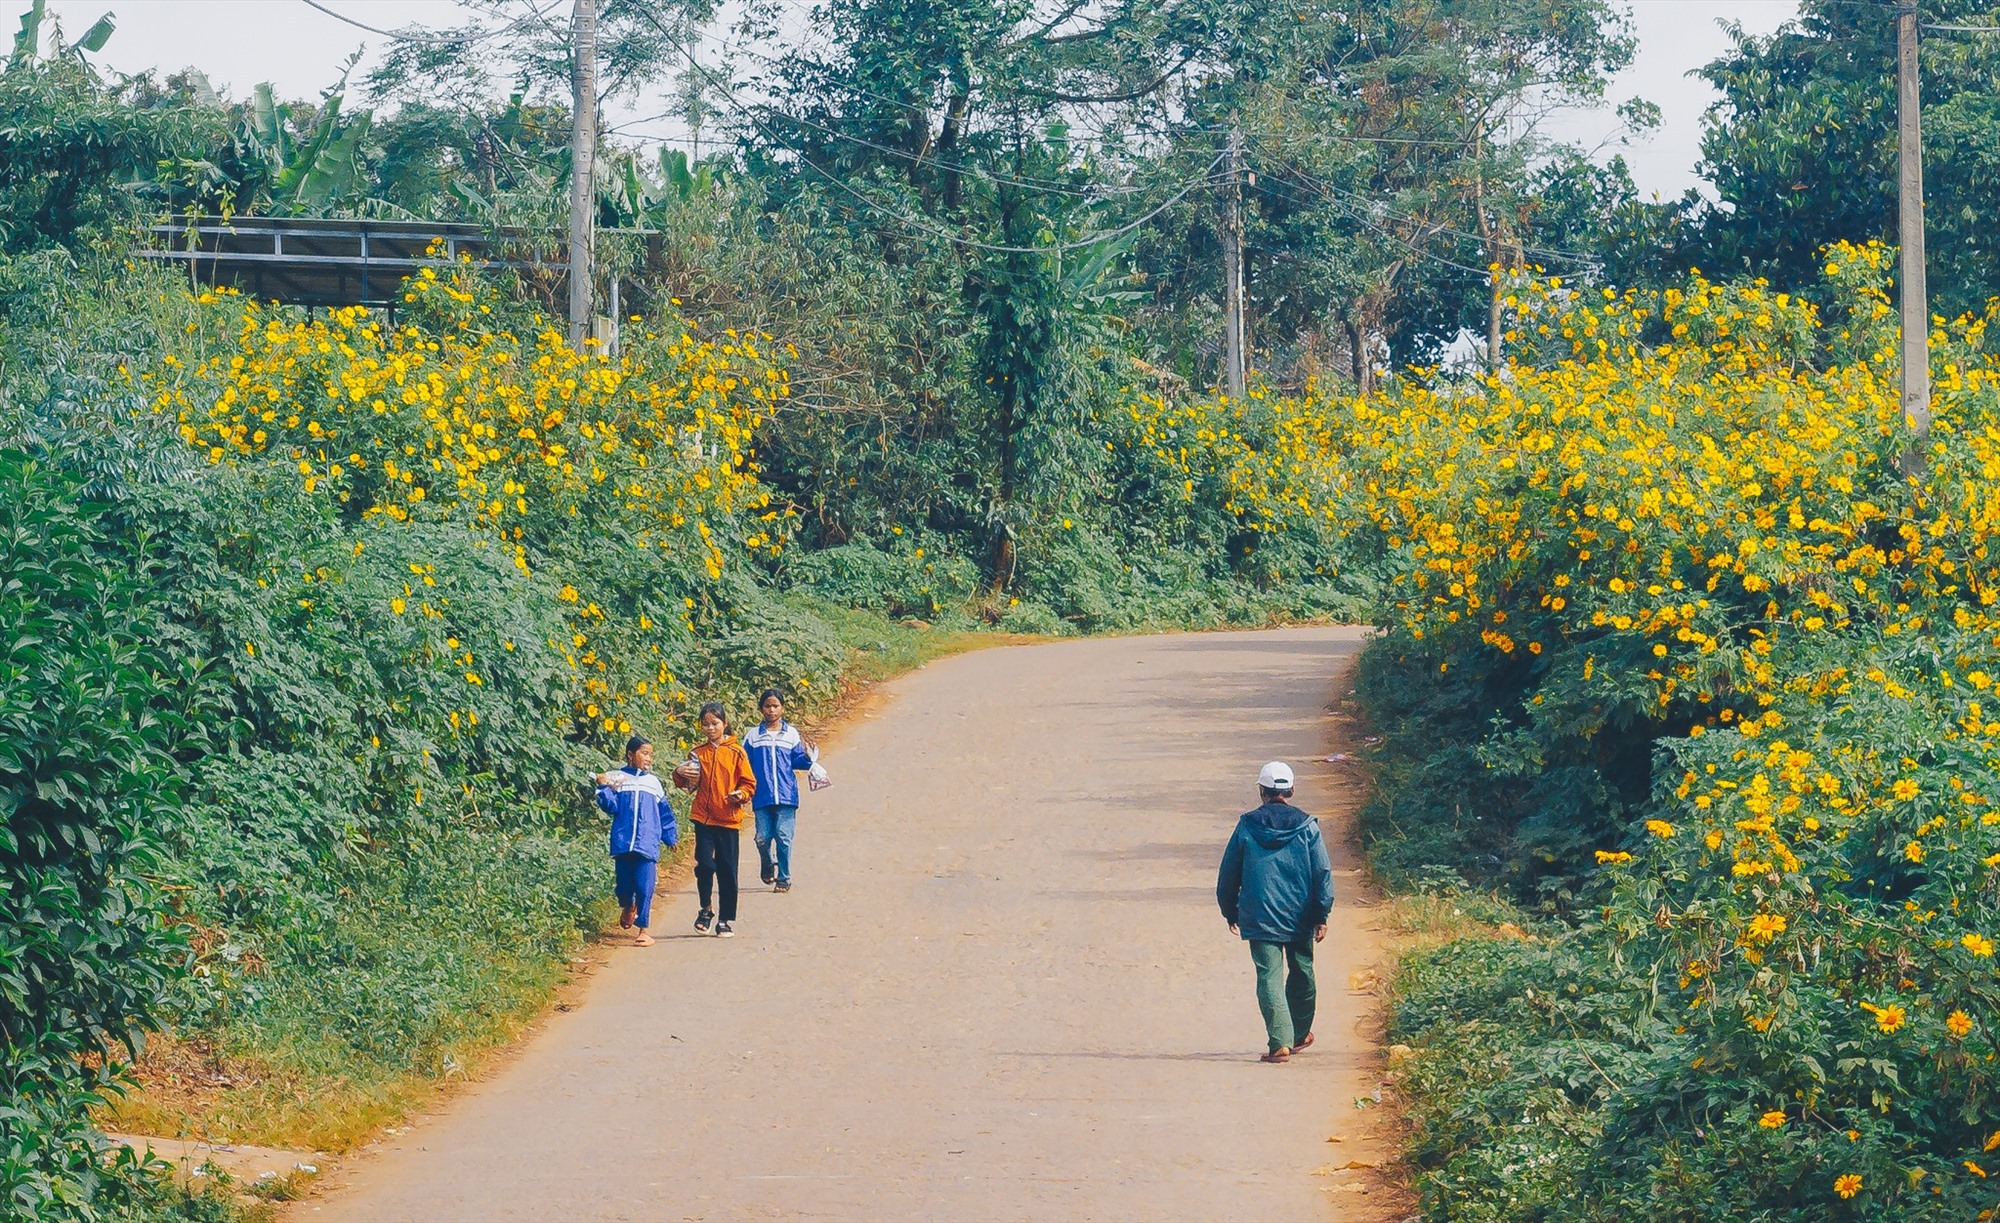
x=641, y=819
x=776, y=756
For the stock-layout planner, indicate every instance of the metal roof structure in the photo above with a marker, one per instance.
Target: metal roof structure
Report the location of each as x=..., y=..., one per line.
x=328, y=261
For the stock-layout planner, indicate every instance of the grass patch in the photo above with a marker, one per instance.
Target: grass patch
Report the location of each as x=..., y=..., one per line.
x=420, y=969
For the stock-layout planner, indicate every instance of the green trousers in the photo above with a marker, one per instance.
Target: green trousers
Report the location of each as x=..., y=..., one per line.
x=1286, y=997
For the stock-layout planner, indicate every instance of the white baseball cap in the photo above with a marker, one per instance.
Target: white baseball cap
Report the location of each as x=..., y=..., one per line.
x=1276, y=775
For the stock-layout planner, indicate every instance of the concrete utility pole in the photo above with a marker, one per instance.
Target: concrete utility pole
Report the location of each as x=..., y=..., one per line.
x=1232, y=268
x=583, y=165
x=1916, y=310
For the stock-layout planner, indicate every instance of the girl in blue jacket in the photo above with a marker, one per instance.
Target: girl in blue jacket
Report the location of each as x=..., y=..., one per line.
x=641, y=822
x=777, y=754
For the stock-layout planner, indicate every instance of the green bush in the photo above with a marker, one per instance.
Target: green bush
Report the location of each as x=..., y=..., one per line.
x=420, y=954
x=905, y=580
x=772, y=646
x=85, y=956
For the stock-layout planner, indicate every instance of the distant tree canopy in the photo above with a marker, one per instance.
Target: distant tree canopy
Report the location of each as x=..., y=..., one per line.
x=1802, y=147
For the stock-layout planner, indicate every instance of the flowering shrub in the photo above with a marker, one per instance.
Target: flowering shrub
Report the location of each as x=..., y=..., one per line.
x=622, y=489
x=1676, y=626
x=424, y=578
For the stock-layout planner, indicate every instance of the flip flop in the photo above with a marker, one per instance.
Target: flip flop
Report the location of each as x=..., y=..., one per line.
x=1304, y=1044
x=644, y=940
x=1276, y=1056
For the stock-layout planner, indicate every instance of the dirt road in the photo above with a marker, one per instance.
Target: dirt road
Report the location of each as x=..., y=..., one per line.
x=1000, y=990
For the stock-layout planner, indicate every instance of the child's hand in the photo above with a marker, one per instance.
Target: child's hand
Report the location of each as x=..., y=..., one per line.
x=738, y=798
x=1319, y=933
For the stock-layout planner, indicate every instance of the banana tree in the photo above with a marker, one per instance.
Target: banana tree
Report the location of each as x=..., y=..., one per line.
x=631, y=197
x=305, y=170
x=28, y=40
x=281, y=158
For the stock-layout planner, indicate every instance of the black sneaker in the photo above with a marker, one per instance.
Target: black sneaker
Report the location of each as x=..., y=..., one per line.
x=783, y=885
x=769, y=880
x=702, y=920
x=722, y=930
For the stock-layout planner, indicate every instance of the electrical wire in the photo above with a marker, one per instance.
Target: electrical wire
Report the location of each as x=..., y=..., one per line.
x=425, y=36
x=1398, y=239
x=1047, y=185
x=913, y=223
x=1313, y=182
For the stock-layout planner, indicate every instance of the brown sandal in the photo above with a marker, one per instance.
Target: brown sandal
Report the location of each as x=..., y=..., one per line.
x=1277, y=1055
x=644, y=940
x=627, y=916
x=1304, y=1044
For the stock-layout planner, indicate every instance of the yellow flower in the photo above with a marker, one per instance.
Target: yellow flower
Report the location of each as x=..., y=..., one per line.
x=1888, y=1018
x=1959, y=1024
x=1978, y=944
x=1904, y=789
x=397, y=606
x=1847, y=1185
x=1660, y=829
x=1771, y=1120
x=1766, y=926
x=1607, y=857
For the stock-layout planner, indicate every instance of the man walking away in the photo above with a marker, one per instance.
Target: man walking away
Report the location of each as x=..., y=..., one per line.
x=1276, y=890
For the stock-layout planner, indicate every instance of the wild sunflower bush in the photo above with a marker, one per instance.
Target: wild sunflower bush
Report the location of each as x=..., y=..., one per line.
x=432, y=573
x=1689, y=644
x=392, y=591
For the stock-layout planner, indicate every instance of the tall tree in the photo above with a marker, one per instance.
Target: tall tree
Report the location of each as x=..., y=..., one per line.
x=1802, y=150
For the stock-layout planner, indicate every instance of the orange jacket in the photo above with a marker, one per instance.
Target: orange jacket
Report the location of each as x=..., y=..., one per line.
x=725, y=770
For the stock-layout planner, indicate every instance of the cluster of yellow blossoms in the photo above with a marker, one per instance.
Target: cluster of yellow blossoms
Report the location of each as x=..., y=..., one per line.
x=564, y=458
x=1690, y=511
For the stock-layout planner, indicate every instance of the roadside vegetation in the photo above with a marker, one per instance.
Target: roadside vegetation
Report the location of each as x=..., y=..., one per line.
x=1688, y=663
x=316, y=622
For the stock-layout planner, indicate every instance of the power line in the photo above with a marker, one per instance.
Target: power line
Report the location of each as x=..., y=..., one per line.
x=1313, y=182
x=904, y=219
x=1048, y=185
x=1393, y=237
x=424, y=36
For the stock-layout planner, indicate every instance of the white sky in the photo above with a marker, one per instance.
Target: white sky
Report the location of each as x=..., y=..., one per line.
x=241, y=42
x=1675, y=38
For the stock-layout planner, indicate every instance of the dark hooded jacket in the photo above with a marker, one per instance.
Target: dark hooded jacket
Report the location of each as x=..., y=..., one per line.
x=1276, y=884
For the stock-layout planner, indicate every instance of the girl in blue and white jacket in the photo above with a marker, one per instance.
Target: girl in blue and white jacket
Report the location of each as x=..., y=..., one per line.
x=641, y=822
x=777, y=754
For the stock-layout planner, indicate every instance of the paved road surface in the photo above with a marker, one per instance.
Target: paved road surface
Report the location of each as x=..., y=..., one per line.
x=1000, y=989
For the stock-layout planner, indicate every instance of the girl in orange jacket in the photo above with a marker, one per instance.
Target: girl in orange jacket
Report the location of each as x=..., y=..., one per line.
x=718, y=772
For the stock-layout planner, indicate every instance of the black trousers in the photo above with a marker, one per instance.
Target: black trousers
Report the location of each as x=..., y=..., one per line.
x=715, y=854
